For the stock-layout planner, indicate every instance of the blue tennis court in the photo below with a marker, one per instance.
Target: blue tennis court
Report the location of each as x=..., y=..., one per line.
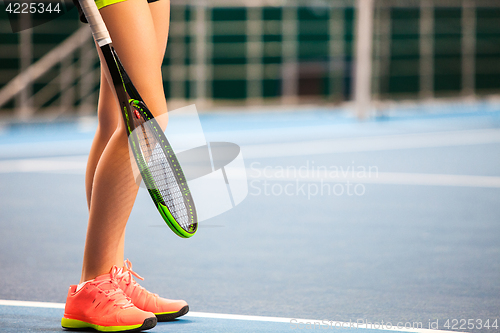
x=393, y=220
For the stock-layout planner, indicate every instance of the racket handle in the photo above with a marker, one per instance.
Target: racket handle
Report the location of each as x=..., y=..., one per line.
x=99, y=30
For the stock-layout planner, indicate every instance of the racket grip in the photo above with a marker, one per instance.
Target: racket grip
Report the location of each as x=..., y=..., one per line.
x=97, y=26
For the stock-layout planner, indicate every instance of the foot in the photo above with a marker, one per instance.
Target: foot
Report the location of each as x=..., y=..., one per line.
x=101, y=304
x=164, y=309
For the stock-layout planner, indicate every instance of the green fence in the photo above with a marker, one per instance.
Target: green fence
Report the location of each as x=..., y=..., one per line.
x=292, y=53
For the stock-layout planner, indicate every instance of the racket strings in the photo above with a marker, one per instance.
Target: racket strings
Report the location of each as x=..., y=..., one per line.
x=147, y=142
x=163, y=175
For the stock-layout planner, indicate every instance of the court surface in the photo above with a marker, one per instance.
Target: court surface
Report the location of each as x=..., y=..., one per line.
x=413, y=239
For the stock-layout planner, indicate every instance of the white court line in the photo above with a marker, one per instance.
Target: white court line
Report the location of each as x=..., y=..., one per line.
x=291, y=321
x=301, y=148
x=77, y=164
x=32, y=304
x=391, y=178
x=55, y=164
x=375, y=143
x=40, y=149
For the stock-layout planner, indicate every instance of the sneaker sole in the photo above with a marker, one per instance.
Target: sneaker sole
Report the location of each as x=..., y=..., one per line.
x=168, y=316
x=73, y=324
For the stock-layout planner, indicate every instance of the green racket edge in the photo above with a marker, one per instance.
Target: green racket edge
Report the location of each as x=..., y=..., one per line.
x=148, y=180
x=164, y=211
x=173, y=225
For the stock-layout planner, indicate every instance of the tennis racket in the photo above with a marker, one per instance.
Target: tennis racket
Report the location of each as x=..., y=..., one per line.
x=157, y=163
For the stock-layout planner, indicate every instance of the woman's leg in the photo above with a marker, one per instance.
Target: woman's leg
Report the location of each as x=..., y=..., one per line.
x=108, y=111
x=108, y=115
x=160, y=11
x=111, y=189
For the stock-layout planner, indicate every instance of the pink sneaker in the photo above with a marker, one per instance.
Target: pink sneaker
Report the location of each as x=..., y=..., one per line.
x=164, y=309
x=101, y=304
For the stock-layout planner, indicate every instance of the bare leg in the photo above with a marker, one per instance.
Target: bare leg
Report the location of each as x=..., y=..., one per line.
x=160, y=11
x=109, y=115
x=111, y=189
x=108, y=111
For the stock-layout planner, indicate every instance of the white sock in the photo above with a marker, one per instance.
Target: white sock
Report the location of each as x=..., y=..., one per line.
x=78, y=287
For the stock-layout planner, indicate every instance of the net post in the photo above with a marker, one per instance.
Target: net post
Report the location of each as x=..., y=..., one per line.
x=290, y=70
x=209, y=61
x=382, y=53
x=336, y=52
x=426, y=49
x=255, y=68
x=468, y=48
x=199, y=74
x=363, y=65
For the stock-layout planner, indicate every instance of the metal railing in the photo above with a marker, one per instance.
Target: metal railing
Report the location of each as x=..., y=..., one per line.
x=244, y=52
x=68, y=85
